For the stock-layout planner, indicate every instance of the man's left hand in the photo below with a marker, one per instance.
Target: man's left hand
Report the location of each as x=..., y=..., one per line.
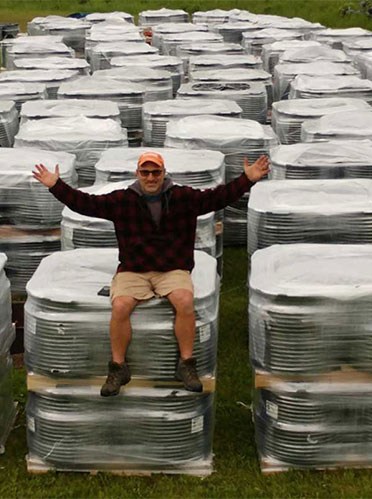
x=258, y=169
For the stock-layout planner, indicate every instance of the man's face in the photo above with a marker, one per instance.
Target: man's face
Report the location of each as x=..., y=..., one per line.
x=150, y=177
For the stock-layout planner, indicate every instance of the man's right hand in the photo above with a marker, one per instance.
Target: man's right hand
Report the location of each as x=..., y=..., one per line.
x=43, y=175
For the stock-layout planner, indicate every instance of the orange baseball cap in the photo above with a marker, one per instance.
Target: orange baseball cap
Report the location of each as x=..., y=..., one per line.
x=151, y=157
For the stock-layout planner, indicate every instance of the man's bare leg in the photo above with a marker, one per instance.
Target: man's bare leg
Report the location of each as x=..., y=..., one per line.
x=120, y=328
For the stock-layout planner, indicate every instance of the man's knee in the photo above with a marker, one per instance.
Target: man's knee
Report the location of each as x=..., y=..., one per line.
x=182, y=300
x=122, y=307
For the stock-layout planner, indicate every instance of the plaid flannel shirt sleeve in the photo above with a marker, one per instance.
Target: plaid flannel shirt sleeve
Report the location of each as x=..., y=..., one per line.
x=92, y=205
x=223, y=195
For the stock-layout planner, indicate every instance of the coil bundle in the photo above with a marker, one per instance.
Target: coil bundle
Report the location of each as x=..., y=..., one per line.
x=53, y=63
x=81, y=231
x=67, y=331
x=160, y=16
x=251, y=97
x=321, y=160
x=288, y=115
x=335, y=37
x=171, y=42
x=128, y=96
x=52, y=79
x=233, y=32
x=187, y=50
x=66, y=108
x=39, y=49
x=71, y=30
x=223, y=61
x=8, y=123
x=110, y=31
x=85, y=137
x=102, y=53
x=156, y=115
x=310, y=308
x=253, y=41
x=312, y=54
x=212, y=17
x=43, y=40
x=236, y=139
x=100, y=17
x=156, y=428
x=309, y=211
x=284, y=74
x=351, y=125
x=160, y=30
x=364, y=64
x=271, y=52
x=357, y=47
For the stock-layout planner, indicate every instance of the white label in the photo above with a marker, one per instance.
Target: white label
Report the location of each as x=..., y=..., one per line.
x=197, y=424
x=204, y=333
x=60, y=330
x=31, y=324
x=272, y=409
x=31, y=424
x=68, y=232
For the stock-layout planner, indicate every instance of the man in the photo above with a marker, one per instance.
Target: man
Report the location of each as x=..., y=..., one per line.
x=155, y=224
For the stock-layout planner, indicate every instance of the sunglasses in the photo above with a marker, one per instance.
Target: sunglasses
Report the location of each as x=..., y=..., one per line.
x=147, y=173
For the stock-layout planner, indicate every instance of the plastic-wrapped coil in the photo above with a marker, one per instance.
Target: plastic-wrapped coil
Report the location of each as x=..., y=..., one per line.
x=160, y=30
x=251, y=97
x=274, y=22
x=129, y=97
x=253, y=41
x=312, y=54
x=34, y=27
x=284, y=74
x=8, y=409
x=309, y=211
x=51, y=78
x=310, y=308
x=40, y=49
x=84, y=137
x=364, y=64
x=233, y=32
x=173, y=65
x=322, y=160
x=158, y=429
x=6, y=329
x=11, y=42
x=22, y=92
x=80, y=231
x=8, y=123
x=100, y=17
x=288, y=115
x=350, y=125
x=335, y=37
x=72, y=30
x=214, y=16
x=156, y=115
x=160, y=16
x=236, y=139
x=223, y=61
x=357, y=47
x=53, y=63
x=102, y=53
x=67, y=319
x=172, y=41
x=271, y=52
x=25, y=202
x=113, y=39
x=111, y=30
x=65, y=108
x=187, y=50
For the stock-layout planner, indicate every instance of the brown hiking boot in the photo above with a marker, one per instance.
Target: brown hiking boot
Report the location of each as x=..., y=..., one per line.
x=186, y=372
x=118, y=375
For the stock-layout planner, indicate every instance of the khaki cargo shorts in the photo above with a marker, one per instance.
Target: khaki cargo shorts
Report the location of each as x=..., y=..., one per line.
x=146, y=285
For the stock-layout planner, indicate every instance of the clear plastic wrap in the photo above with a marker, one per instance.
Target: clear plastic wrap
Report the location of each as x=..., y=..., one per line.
x=253, y=41
x=65, y=108
x=187, y=50
x=350, y=125
x=355, y=47
x=21, y=92
x=285, y=73
x=319, y=424
x=364, y=64
x=102, y=53
x=312, y=54
x=11, y=42
x=51, y=78
x=80, y=231
x=233, y=32
x=156, y=115
x=335, y=37
x=100, y=17
x=84, y=137
x=320, y=160
x=67, y=319
x=156, y=429
x=6, y=329
x=9, y=123
x=53, y=63
x=157, y=84
x=271, y=52
x=308, y=87
x=129, y=97
x=309, y=211
x=24, y=201
x=310, y=308
x=39, y=49
x=251, y=97
x=172, y=41
x=160, y=16
x=72, y=30
x=223, y=61
x=110, y=37
x=214, y=16
x=173, y=65
x=35, y=26
x=288, y=115
x=8, y=408
x=160, y=30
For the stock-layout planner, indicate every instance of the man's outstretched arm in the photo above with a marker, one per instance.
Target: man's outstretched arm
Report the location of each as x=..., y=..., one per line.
x=223, y=195
x=81, y=202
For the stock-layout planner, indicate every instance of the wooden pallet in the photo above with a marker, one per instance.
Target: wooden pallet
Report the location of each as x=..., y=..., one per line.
x=38, y=382
x=200, y=469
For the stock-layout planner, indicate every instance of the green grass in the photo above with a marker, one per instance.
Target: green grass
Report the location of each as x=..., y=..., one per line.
x=237, y=473
x=323, y=11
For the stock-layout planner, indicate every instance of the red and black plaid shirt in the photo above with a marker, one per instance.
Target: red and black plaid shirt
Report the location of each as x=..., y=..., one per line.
x=143, y=246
